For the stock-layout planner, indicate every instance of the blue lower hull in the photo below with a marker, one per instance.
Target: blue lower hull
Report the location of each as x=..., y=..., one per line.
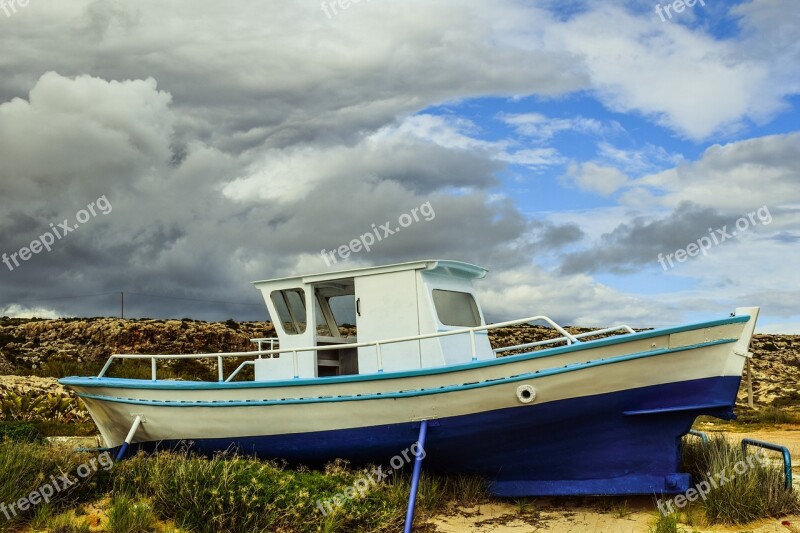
x=626, y=442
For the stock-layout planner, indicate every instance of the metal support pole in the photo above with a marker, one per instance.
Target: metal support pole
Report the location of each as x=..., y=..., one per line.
x=412, y=496
x=787, y=457
x=125, y=445
x=702, y=436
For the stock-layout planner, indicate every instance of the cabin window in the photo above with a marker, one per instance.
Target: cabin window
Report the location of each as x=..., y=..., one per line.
x=456, y=308
x=323, y=329
x=291, y=307
x=344, y=313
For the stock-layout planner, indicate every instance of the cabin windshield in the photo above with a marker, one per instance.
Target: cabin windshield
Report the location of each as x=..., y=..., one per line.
x=291, y=307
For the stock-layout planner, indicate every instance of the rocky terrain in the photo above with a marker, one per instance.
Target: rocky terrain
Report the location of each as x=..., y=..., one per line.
x=33, y=353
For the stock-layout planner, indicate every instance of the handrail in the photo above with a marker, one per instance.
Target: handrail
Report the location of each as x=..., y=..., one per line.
x=565, y=336
x=239, y=369
x=559, y=339
x=271, y=340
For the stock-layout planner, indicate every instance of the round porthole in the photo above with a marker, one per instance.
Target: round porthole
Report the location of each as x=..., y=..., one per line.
x=526, y=393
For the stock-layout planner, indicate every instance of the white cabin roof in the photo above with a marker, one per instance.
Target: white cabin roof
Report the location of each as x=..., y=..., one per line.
x=456, y=269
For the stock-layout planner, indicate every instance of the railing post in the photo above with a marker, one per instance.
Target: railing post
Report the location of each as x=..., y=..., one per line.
x=153, y=368
x=472, y=344
x=294, y=362
x=106, y=366
x=220, y=369
x=380, y=357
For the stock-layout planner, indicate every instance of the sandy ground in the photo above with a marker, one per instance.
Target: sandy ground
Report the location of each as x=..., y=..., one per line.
x=608, y=515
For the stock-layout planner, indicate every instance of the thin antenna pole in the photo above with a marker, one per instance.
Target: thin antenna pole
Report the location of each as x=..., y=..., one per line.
x=122, y=304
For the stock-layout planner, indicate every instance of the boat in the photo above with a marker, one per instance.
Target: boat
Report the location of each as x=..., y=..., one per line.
x=366, y=358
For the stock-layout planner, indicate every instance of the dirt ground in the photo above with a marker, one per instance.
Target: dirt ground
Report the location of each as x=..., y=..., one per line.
x=611, y=515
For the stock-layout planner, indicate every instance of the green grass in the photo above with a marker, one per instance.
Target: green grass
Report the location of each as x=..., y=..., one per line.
x=201, y=494
x=45, y=520
x=747, y=418
x=20, y=432
x=239, y=494
x=27, y=466
x=224, y=493
x=665, y=524
x=127, y=515
x=748, y=489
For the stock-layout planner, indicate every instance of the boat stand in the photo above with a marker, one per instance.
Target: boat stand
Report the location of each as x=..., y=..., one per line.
x=787, y=457
x=123, y=451
x=412, y=495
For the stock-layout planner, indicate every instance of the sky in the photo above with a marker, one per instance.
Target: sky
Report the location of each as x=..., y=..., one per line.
x=609, y=162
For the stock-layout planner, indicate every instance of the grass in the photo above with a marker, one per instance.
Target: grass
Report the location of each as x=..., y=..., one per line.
x=127, y=515
x=45, y=520
x=771, y=416
x=665, y=524
x=747, y=419
x=20, y=432
x=741, y=487
x=199, y=494
x=239, y=494
x=25, y=467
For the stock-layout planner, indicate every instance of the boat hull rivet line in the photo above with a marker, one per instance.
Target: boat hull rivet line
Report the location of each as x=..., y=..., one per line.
x=123, y=451
x=526, y=393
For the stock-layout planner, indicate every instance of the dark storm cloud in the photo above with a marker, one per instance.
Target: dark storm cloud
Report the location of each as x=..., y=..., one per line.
x=638, y=242
x=550, y=236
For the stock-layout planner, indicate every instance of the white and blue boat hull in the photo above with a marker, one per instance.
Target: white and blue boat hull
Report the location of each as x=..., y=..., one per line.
x=599, y=417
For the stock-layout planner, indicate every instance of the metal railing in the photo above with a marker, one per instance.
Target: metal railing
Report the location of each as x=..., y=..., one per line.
x=627, y=329
x=565, y=337
x=260, y=341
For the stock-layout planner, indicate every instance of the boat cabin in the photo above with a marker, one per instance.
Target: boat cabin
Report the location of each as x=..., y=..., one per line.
x=365, y=305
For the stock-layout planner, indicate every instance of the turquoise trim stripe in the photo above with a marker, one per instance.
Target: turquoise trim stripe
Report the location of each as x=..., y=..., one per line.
x=411, y=393
x=588, y=345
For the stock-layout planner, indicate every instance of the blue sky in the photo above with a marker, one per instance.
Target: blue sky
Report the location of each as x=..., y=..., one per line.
x=564, y=145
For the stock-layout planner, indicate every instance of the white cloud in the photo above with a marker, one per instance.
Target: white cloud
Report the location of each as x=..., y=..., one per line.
x=635, y=161
x=595, y=178
x=574, y=300
x=683, y=78
x=543, y=128
x=735, y=178
x=780, y=328
x=19, y=311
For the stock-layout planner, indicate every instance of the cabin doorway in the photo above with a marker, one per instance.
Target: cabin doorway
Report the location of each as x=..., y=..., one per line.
x=335, y=318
